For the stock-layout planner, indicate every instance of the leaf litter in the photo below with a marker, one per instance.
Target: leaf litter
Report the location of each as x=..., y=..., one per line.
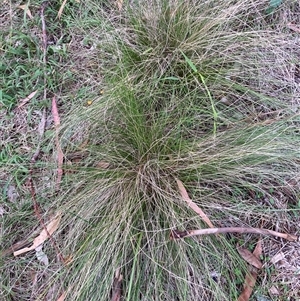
x=190, y=201
x=25, y=7
x=251, y=276
x=250, y=257
x=193, y=205
x=43, y=236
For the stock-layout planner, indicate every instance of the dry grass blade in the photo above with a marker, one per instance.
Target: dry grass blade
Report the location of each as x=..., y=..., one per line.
x=61, y=9
x=44, y=235
x=26, y=99
x=60, y=155
x=192, y=205
x=27, y=10
x=175, y=234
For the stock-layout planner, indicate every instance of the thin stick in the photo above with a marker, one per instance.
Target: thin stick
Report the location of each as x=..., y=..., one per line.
x=175, y=234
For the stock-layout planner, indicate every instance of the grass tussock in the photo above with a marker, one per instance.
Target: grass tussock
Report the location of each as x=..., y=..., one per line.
x=196, y=91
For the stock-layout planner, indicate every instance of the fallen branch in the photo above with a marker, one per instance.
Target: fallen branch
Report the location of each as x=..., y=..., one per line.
x=175, y=234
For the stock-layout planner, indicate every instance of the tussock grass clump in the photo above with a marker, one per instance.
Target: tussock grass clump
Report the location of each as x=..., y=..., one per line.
x=186, y=97
x=184, y=100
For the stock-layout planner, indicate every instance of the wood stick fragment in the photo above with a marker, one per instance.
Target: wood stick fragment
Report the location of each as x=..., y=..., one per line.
x=175, y=234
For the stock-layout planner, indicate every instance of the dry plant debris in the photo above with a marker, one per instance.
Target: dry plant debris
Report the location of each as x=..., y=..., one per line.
x=175, y=234
x=119, y=4
x=23, y=101
x=26, y=9
x=60, y=155
x=250, y=257
x=61, y=9
x=117, y=286
x=293, y=27
x=251, y=276
x=193, y=205
x=43, y=236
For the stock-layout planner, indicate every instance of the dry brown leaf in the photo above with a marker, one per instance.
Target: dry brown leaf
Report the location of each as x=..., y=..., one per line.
x=26, y=99
x=293, y=27
x=273, y=290
x=192, y=205
x=251, y=276
x=258, y=249
x=55, y=114
x=250, y=257
x=27, y=10
x=119, y=4
x=51, y=228
x=249, y=283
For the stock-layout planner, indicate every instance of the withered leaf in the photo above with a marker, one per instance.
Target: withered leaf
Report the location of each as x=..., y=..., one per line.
x=250, y=257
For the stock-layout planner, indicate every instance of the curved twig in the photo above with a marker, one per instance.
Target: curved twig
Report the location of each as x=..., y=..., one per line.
x=175, y=234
